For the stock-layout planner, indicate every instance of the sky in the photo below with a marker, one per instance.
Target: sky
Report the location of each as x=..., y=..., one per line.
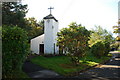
x=86, y=12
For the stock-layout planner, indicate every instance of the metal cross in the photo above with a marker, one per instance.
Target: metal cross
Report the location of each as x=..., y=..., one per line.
x=50, y=9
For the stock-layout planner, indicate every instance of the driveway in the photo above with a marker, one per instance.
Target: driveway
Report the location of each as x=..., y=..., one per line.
x=108, y=71
x=35, y=71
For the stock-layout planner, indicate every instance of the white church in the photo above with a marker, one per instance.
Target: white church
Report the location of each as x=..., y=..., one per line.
x=46, y=43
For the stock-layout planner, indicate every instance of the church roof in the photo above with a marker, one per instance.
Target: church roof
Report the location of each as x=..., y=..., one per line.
x=41, y=37
x=50, y=16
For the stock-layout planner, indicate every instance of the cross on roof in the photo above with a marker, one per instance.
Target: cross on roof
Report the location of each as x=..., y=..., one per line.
x=50, y=9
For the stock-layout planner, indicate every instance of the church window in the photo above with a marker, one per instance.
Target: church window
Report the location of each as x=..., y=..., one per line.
x=48, y=21
x=52, y=27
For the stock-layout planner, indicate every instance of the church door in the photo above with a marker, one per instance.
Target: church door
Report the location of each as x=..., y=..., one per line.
x=41, y=49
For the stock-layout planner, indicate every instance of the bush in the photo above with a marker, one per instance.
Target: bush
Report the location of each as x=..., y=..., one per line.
x=114, y=46
x=107, y=48
x=14, y=49
x=98, y=49
x=74, y=59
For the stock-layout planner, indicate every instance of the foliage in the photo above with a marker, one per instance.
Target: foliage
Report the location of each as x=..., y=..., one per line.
x=0, y=31
x=34, y=28
x=73, y=40
x=14, y=50
x=107, y=48
x=110, y=55
x=98, y=49
x=100, y=34
x=117, y=31
x=74, y=59
x=118, y=38
x=13, y=13
x=20, y=74
x=116, y=28
x=115, y=45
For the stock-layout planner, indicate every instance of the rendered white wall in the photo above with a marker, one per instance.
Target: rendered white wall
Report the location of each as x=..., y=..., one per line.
x=48, y=38
x=35, y=43
x=51, y=29
x=55, y=36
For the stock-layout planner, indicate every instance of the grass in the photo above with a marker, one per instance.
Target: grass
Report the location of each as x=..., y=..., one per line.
x=63, y=65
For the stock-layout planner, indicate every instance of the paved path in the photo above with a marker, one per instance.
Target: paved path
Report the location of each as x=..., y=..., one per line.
x=35, y=71
x=103, y=72
x=107, y=71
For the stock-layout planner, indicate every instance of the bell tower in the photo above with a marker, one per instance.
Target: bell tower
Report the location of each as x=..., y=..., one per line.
x=50, y=31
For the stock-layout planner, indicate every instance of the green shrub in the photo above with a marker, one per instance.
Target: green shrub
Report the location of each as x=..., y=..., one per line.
x=110, y=55
x=14, y=49
x=74, y=59
x=98, y=49
x=107, y=48
x=114, y=45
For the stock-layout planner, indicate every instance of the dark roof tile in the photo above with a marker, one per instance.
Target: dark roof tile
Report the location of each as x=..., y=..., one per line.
x=50, y=16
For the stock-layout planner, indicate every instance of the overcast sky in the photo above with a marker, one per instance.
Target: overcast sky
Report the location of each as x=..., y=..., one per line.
x=86, y=12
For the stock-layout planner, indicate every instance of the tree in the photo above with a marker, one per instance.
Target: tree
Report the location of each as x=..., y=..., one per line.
x=13, y=13
x=74, y=40
x=116, y=45
x=117, y=31
x=98, y=49
x=100, y=38
x=100, y=34
x=34, y=28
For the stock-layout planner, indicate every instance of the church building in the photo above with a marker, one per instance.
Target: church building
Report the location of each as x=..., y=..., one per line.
x=46, y=43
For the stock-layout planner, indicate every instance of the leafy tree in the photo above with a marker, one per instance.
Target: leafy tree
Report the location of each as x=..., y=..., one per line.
x=13, y=13
x=34, y=28
x=116, y=45
x=100, y=37
x=100, y=34
x=74, y=40
x=117, y=31
x=98, y=49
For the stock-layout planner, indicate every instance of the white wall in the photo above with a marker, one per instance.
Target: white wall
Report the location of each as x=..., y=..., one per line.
x=35, y=43
x=48, y=39
x=51, y=29
x=55, y=36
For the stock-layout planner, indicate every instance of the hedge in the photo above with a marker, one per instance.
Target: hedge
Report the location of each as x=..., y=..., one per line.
x=14, y=50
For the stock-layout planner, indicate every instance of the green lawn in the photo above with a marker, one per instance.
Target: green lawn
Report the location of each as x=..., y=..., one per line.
x=62, y=64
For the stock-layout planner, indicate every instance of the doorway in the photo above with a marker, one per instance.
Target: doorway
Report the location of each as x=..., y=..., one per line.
x=41, y=49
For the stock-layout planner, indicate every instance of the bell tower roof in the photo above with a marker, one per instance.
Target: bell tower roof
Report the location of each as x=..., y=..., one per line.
x=50, y=16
